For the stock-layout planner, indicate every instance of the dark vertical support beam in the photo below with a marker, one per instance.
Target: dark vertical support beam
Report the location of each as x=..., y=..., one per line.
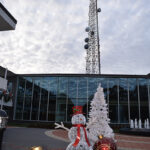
x=138, y=98
x=15, y=99
x=108, y=95
x=67, y=98
x=32, y=99
x=48, y=101
x=39, y=102
x=149, y=96
x=56, y=98
x=24, y=99
x=118, y=101
x=87, y=97
x=128, y=101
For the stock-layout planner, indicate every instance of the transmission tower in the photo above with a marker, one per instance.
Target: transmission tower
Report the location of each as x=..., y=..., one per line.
x=92, y=42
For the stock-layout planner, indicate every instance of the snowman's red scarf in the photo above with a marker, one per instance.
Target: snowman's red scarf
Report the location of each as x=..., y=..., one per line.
x=78, y=134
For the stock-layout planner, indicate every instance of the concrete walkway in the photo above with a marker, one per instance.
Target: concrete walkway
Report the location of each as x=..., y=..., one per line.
x=25, y=138
x=124, y=142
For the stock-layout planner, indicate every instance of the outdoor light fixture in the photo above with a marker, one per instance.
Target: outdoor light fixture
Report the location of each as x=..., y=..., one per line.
x=3, y=119
x=86, y=46
x=36, y=148
x=99, y=10
x=87, y=29
x=86, y=40
x=0, y=120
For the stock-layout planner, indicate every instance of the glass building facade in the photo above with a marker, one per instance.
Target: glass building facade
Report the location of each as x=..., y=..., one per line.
x=50, y=98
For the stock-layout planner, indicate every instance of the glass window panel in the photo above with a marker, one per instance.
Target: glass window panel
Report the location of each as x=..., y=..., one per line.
x=52, y=108
x=53, y=81
x=72, y=87
x=62, y=98
x=36, y=98
x=92, y=87
x=9, y=87
x=53, y=84
x=61, y=109
x=82, y=87
x=143, y=92
x=44, y=98
x=20, y=98
x=113, y=100
x=21, y=87
x=27, y=103
x=62, y=86
x=83, y=102
x=133, y=97
x=123, y=100
x=71, y=103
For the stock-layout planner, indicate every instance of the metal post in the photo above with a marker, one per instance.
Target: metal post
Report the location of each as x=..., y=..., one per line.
x=5, y=73
x=2, y=102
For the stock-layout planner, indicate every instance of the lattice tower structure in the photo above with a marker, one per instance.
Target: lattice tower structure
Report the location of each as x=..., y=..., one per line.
x=93, y=52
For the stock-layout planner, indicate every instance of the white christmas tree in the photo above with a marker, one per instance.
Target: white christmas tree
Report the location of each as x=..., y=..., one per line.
x=98, y=123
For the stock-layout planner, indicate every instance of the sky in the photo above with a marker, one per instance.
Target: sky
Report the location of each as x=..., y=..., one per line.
x=49, y=36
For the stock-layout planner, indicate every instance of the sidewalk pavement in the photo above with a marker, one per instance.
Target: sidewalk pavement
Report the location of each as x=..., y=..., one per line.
x=124, y=142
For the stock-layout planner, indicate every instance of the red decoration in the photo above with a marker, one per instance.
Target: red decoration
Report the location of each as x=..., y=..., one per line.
x=78, y=134
x=105, y=144
x=4, y=92
x=77, y=110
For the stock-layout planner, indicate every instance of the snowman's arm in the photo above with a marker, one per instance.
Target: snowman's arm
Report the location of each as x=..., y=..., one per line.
x=61, y=126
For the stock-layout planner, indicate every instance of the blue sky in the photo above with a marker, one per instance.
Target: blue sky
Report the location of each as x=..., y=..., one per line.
x=49, y=36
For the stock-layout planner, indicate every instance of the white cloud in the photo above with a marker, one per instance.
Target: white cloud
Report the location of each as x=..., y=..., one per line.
x=49, y=36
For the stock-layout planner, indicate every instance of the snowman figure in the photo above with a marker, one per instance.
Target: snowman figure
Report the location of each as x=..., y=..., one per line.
x=77, y=133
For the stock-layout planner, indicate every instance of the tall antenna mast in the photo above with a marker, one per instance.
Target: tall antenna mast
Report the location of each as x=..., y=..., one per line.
x=92, y=45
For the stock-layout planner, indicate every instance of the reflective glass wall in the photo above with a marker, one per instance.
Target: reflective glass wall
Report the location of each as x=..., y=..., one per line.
x=51, y=98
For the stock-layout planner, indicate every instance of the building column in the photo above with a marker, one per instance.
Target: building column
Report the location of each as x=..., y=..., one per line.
x=128, y=101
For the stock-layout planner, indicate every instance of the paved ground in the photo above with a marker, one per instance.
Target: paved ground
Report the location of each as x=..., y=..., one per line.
x=24, y=138
x=124, y=142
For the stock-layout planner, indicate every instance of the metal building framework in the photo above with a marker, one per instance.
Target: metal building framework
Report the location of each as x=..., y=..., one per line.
x=92, y=47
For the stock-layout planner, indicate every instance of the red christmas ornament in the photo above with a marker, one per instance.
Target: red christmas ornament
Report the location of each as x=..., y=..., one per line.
x=105, y=144
x=77, y=110
x=4, y=92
